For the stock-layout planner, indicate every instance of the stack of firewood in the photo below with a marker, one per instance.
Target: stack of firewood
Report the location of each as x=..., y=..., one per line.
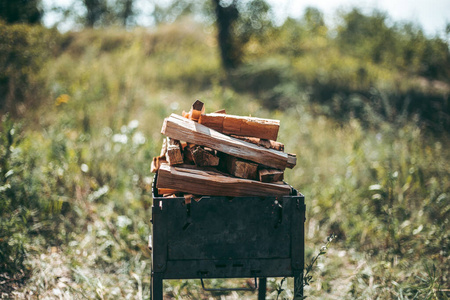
x=218, y=154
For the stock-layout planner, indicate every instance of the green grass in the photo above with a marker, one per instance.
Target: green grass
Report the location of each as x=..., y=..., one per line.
x=76, y=181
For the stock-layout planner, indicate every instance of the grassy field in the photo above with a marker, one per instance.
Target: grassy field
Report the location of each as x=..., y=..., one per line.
x=76, y=182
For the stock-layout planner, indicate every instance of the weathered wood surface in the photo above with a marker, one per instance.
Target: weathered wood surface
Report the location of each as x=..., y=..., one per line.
x=269, y=144
x=292, y=160
x=241, y=169
x=155, y=164
x=243, y=126
x=187, y=130
x=270, y=175
x=173, y=154
x=198, y=108
x=203, y=158
x=213, y=183
x=163, y=148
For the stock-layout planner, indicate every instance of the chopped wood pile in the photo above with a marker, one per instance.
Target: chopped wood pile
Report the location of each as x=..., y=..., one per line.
x=217, y=154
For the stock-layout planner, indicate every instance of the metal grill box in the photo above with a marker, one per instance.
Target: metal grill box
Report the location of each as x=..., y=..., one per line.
x=227, y=237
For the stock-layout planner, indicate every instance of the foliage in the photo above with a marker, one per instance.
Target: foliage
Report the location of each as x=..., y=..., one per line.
x=26, y=11
x=24, y=50
x=95, y=10
x=365, y=68
x=306, y=278
x=401, y=45
x=31, y=189
x=381, y=199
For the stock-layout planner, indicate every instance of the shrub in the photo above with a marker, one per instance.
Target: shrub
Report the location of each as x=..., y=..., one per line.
x=30, y=202
x=24, y=50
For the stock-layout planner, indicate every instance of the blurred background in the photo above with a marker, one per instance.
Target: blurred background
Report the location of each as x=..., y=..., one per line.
x=361, y=89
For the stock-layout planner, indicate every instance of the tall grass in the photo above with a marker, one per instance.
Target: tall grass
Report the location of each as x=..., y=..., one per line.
x=75, y=189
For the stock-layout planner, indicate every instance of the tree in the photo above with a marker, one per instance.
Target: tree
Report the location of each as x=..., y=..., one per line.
x=226, y=17
x=95, y=11
x=126, y=11
x=20, y=11
x=366, y=36
x=237, y=22
x=313, y=19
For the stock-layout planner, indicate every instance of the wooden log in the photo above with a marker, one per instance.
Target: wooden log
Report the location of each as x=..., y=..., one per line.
x=186, y=115
x=188, y=198
x=270, y=175
x=220, y=111
x=292, y=160
x=213, y=121
x=156, y=163
x=187, y=153
x=169, y=195
x=173, y=154
x=203, y=158
x=183, y=145
x=202, y=182
x=163, y=148
x=181, y=128
x=166, y=191
x=269, y=144
x=242, y=169
x=243, y=126
x=197, y=109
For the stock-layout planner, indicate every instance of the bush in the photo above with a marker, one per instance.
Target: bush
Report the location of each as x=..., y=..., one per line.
x=24, y=50
x=31, y=198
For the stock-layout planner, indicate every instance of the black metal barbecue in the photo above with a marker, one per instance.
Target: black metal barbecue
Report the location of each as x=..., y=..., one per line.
x=227, y=237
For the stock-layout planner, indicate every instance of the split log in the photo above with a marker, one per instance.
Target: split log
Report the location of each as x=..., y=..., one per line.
x=163, y=148
x=198, y=108
x=292, y=160
x=155, y=164
x=203, y=158
x=188, y=198
x=243, y=126
x=181, y=128
x=187, y=153
x=241, y=168
x=169, y=195
x=173, y=154
x=166, y=191
x=269, y=144
x=202, y=182
x=270, y=175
